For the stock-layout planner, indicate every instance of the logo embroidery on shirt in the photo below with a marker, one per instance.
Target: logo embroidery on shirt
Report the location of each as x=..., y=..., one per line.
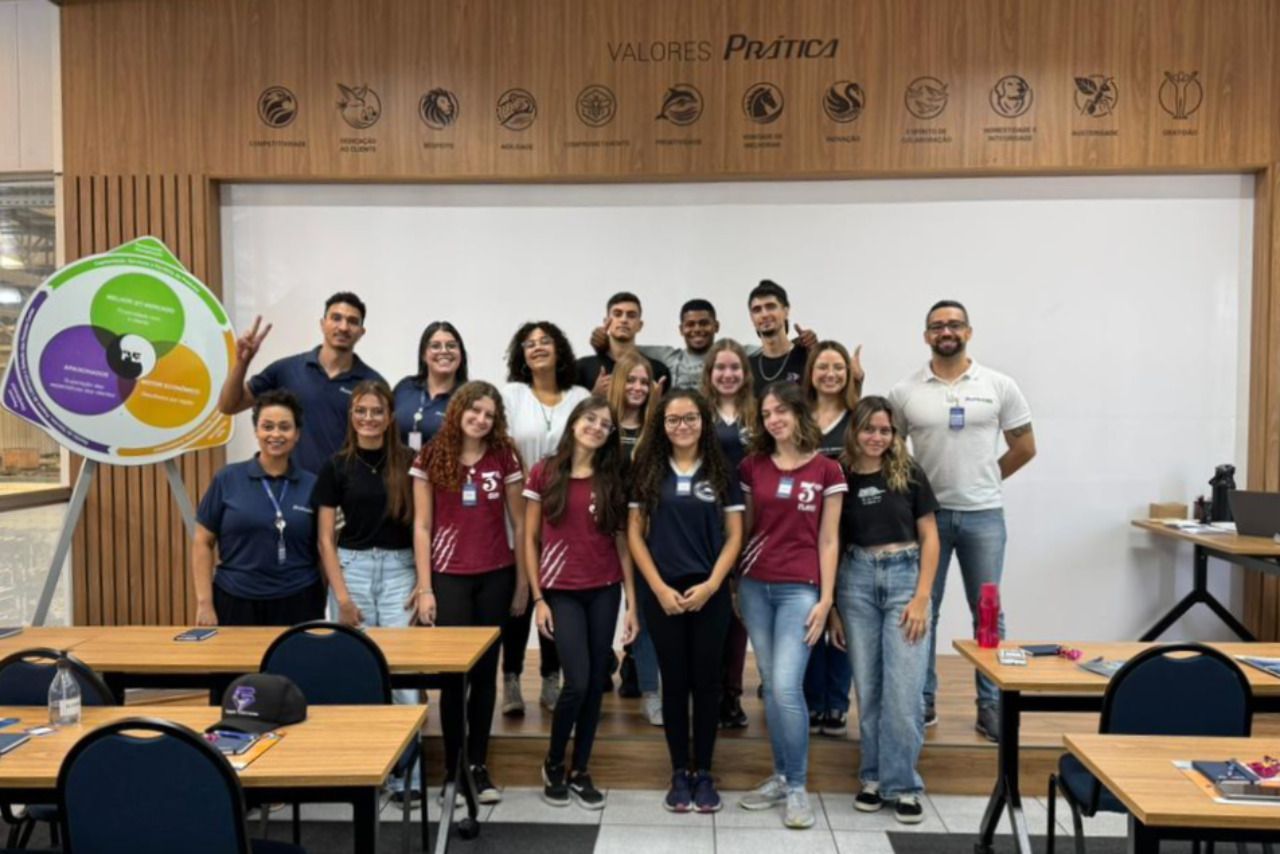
x=704, y=491
x=808, y=496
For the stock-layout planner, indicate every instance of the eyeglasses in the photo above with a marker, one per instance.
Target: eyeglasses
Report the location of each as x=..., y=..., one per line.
x=689, y=419
x=362, y=412
x=538, y=342
x=443, y=346
x=596, y=421
x=950, y=326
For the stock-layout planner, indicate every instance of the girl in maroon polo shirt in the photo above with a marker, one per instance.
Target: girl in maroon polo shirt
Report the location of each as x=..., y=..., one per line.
x=466, y=486
x=577, y=561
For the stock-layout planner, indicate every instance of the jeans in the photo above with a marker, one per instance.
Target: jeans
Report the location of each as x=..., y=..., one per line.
x=827, y=679
x=977, y=537
x=775, y=615
x=872, y=591
x=646, y=657
x=583, y=622
x=380, y=582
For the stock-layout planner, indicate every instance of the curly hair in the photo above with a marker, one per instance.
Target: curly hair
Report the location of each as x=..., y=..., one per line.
x=896, y=464
x=852, y=389
x=518, y=368
x=606, y=478
x=440, y=459
x=395, y=473
x=807, y=436
x=651, y=464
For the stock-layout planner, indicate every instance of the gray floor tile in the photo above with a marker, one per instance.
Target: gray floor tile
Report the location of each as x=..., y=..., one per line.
x=746, y=840
x=644, y=807
x=855, y=842
x=735, y=816
x=527, y=805
x=963, y=813
x=842, y=816
x=629, y=839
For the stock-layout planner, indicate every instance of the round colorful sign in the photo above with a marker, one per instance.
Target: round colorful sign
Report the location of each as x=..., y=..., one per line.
x=120, y=358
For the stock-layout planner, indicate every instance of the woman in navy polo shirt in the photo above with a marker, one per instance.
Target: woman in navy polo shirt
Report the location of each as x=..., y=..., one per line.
x=467, y=483
x=788, y=566
x=421, y=398
x=685, y=532
x=258, y=516
x=577, y=562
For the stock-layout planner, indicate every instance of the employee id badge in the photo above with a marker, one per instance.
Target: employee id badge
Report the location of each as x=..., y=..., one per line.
x=684, y=484
x=415, y=440
x=785, y=486
x=470, y=494
x=956, y=419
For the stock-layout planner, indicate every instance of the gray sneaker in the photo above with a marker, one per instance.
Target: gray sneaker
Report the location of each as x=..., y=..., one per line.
x=550, y=692
x=512, y=699
x=988, y=724
x=798, y=815
x=767, y=795
x=653, y=708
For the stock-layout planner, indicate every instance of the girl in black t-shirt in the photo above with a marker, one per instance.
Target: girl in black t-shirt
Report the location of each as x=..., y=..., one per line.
x=890, y=535
x=685, y=533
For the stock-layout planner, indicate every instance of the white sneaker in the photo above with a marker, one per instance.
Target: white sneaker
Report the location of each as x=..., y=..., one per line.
x=550, y=692
x=512, y=699
x=653, y=707
x=798, y=814
x=767, y=795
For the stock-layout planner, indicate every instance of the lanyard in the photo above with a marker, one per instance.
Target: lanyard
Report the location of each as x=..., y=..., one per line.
x=280, y=523
x=422, y=404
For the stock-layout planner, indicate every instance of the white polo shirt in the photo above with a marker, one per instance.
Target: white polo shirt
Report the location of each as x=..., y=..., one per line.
x=962, y=464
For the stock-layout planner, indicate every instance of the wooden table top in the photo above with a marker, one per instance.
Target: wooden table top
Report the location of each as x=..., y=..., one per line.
x=52, y=637
x=334, y=746
x=1140, y=771
x=1057, y=675
x=1229, y=543
x=239, y=649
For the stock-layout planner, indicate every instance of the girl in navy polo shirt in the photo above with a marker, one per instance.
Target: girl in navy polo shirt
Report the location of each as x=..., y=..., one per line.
x=421, y=398
x=258, y=516
x=577, y=562
x=788, y=566
x=466, y=487
x=685, y=532
x=726, y=385
x=890, y=531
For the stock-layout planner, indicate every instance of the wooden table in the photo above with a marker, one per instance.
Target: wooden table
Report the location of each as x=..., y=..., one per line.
x=340, y=754
x=1055, y=684
x=1162, y=802
x=50, y=637
x=1258, y=553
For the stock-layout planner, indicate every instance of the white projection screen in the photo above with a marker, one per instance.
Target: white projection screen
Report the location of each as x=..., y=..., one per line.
x=1119, y=303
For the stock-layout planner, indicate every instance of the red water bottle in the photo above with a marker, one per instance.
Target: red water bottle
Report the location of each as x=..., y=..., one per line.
x=989, y=616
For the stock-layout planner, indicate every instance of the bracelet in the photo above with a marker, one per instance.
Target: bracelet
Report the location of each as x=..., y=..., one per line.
x=426, y=593
x=536, y=601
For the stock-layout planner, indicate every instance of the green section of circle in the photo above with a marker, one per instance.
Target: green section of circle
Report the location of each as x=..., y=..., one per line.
x=138, y=304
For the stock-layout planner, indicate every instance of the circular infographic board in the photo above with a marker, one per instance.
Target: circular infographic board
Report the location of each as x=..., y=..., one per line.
x=120, y=357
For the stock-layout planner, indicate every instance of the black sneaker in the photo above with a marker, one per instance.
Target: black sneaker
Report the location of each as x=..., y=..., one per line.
x=988, y=724
x=680, y=796
x=486, y=792
x=584, y=792
x=868, y=800
x=815, y=722
x=554, y=790
x=930, y=713
x=731, y=714
x=908, y=810
x=835, y=724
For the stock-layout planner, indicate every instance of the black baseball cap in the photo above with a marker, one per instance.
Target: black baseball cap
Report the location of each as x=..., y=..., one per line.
x=260, y=702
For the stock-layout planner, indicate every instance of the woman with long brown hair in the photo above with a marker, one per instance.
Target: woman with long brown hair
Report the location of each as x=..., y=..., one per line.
x=466, y=488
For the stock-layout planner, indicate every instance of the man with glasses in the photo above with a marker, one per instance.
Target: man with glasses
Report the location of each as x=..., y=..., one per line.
x=322, y=379
x=954, y=411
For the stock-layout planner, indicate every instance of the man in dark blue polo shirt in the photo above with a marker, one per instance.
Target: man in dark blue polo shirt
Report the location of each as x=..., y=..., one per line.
x=322, y=379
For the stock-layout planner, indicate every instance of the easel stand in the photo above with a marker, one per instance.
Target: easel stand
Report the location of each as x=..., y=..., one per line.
x=76, y=507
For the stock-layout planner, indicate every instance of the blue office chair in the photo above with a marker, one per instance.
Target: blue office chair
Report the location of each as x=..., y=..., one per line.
x=168, y=790
x=25, y=677
x=1199, y=692
x=335, y=664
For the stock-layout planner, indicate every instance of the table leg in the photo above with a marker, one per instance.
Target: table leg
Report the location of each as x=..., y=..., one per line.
x=1142, y=839
x=1199, y=595
x=364, y=805
x=469, y=827
x=1006, y=793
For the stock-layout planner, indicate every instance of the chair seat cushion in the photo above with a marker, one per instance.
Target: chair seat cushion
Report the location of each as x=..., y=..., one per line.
x=42, y=812
x=270, y=846
x=1079, y=782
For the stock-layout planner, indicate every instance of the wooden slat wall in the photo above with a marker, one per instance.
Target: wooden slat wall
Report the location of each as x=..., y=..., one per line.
x=129, y=556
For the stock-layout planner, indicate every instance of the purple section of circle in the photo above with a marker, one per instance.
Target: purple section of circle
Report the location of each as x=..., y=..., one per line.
x=75, y=373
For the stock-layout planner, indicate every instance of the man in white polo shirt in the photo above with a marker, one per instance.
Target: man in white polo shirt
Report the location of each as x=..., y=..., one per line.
x=954, y=411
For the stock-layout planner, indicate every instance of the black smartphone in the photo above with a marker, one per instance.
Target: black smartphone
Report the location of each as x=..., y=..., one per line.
x=1042, y=648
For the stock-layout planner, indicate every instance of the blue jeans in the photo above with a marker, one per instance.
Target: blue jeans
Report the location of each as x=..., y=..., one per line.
x=380, y=582
x=872, y=591
x=977, y=537
x=775, y=615
x=646, y=657
x=827, y=679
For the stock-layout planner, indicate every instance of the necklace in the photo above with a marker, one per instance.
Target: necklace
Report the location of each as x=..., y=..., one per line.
x=547, y=411
x=373, y=467
x=760, y=361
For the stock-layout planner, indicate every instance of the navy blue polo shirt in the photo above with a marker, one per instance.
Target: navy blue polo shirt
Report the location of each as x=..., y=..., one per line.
x=237, y=510
x=413, y=399
x=686, y=529
x=325, y=401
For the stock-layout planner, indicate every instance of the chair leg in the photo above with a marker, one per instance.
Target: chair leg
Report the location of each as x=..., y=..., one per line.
x=1052, y=805
x=55, y=835
x=28, y=828
x=297, y=825
x=265, y=813
x=14, y=830
x=1077, y=825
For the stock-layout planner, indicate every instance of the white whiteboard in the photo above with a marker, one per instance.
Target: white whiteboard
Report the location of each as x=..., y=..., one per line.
x=1119, y=304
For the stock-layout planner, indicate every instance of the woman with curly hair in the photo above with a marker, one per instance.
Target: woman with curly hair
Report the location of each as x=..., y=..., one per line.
x=577, y=562
x=466, y=487
x=538, y=396
x=685, y=532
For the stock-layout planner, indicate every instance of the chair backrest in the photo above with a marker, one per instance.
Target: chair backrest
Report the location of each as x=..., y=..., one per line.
x=148, y=786
x=333, y=664
x=1178, y=689
x=25, y=677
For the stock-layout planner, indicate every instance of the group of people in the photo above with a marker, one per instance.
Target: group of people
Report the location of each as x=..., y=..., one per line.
x=707, y=493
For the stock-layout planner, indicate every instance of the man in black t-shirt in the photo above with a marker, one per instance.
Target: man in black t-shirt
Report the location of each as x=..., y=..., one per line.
x=622, y=324
x=779, y=359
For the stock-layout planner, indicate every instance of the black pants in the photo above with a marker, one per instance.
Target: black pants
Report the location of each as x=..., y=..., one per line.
x=690, y=651
x=584, y=623
x=515, y=637
x=300, y=607
x=472, y=600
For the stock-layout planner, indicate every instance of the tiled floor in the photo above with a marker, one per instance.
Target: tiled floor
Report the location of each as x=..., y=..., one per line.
x=634, y=820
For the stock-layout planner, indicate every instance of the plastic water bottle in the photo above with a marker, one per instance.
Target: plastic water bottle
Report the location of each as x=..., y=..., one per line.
x=989, y=616
x=64, y=697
